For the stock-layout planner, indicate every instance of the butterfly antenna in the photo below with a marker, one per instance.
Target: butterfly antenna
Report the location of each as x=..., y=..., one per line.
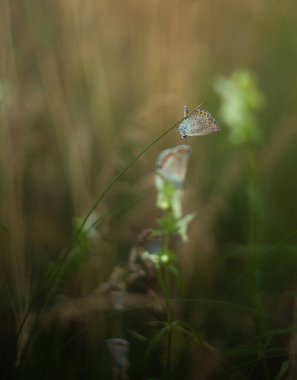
x=201, y=104
x=186, y=114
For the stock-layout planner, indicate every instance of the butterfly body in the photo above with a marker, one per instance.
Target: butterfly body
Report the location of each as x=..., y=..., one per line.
x=198, y=123
x=172, y=164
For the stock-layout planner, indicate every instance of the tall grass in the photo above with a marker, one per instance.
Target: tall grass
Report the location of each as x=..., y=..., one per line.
x=85, y=89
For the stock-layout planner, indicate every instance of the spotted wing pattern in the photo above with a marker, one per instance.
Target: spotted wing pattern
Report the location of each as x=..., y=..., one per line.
x=119, y=349
x=172, y=164
x=198, y=123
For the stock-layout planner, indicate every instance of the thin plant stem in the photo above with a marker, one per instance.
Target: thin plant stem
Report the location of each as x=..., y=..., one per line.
x=169, y=310
x=169, y=321
x=252, y=184
x=54, y=274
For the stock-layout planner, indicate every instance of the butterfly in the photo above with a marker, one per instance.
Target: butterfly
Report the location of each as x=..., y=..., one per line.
x=198, y=123
x=172, y=164
x=119, y=348
x=116, y=295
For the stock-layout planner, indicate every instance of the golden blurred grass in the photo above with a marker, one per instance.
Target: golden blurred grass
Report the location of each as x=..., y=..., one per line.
x=84, y=86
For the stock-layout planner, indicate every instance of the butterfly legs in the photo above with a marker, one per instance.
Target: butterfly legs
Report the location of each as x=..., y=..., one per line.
x=186, y=113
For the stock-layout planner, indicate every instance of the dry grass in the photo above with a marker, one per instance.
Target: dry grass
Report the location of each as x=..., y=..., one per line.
x=84, y=86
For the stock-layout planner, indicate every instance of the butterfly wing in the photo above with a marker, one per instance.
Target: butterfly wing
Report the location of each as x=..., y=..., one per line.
x=119, y=348
x=172, y=164
x=199, y=123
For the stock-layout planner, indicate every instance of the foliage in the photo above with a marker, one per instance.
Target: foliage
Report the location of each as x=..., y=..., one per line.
x=199, y=278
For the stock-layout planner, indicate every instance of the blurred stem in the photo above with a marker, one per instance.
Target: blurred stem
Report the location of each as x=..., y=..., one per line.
x=165, y=283
x=169, y=320
x=251, y=179
x=48, y=287
x=168, y=291
x=252, y=184
x=293, y=346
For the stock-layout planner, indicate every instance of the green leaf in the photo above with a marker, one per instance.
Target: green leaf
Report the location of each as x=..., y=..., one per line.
x=283, y=370
x=155, y=340
x=182, y=226
x=187, y=328
x=176, y=272
x=168, y=225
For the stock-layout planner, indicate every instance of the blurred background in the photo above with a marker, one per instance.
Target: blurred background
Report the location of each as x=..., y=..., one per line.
x=85, y=87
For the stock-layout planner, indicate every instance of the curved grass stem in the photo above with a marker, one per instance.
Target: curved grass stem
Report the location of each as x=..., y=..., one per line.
x=48, y=287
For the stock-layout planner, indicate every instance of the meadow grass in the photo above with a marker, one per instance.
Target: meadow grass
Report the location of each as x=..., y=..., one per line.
x=82, y=88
